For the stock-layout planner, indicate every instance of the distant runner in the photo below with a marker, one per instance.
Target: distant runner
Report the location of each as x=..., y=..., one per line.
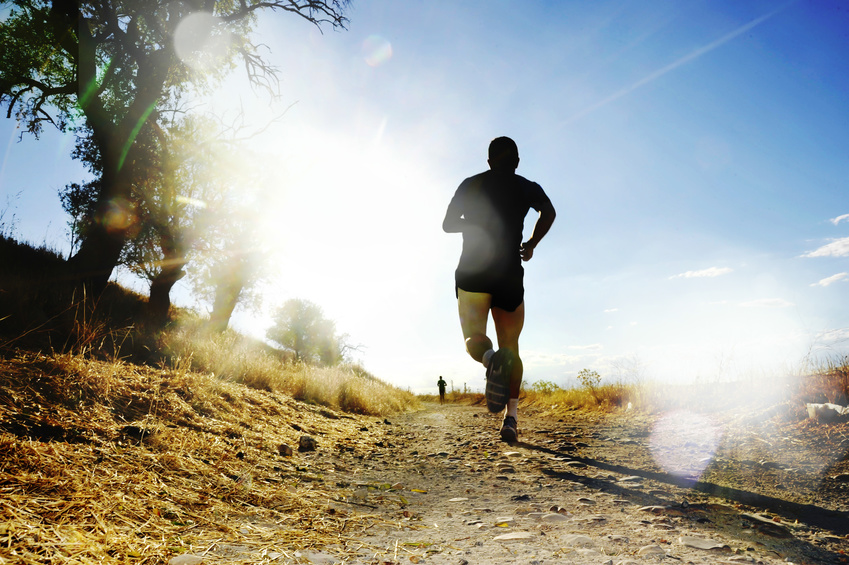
x=441, y=384
x=489, y=209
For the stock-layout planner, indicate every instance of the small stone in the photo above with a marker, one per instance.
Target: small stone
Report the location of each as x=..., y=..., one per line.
x=703, y=543
x=514, y=536
x=586, y=501
x=554, y=518
x=651, y=550
x=578, y=540
x=654, y=509
x=596, y=518
x=307, y=443
x=284, y=450
x=459, y=499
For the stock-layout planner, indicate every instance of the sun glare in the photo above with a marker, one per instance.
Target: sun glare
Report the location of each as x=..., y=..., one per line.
x=199, y=42
x=352, y=227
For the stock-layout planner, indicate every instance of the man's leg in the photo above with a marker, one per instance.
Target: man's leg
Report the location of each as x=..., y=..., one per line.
x=474, y=313
x=508, y=326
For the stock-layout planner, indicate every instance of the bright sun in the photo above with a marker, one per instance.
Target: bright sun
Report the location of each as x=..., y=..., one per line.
x=353, y=227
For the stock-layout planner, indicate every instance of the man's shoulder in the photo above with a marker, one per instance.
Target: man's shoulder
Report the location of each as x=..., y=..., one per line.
x=526, y=182
x=475, y=179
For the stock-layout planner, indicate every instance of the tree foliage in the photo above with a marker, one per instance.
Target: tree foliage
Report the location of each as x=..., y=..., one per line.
x=300, y=327
x=111, y=70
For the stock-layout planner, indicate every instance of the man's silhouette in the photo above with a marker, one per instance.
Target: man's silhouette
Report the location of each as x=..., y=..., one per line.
x=441, y=384
x=489, y=209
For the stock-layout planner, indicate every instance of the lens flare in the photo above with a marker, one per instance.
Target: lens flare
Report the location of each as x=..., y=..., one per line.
x=118, y=215
x=684, y=443
x=201, y=41
x=376, y=50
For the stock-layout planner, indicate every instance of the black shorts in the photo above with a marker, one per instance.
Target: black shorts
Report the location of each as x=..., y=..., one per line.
x=507, y=290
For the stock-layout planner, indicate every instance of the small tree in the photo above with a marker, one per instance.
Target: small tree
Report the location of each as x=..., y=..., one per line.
x=300, y=327
x=590, y=380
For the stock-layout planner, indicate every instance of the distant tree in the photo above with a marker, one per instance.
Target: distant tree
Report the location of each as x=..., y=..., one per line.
x=78, y=201
x=111, y=67
x=590, y=379
x=300, y=327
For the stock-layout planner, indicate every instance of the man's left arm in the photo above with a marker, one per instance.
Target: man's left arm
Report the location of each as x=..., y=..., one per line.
x=541, y=227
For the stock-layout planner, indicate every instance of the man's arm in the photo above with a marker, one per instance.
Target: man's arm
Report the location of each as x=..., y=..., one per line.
x=543, y=224
x=453, y=222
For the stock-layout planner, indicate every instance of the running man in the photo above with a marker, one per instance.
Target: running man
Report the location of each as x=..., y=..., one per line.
x=489, y=209
x=441, y=384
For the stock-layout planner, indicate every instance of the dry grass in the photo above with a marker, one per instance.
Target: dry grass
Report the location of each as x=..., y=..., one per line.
x=824, y=381
x=233, y=357
x=109, y=462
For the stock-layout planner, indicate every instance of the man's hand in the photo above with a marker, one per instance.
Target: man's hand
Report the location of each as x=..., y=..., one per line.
x=526, y=250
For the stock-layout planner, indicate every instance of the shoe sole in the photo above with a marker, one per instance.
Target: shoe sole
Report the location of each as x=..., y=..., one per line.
x=509, y=435
x=498, y=381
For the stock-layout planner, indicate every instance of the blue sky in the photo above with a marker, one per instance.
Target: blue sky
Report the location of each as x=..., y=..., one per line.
x=695, y=151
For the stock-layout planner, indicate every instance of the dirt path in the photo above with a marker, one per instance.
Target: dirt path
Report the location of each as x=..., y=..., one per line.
x=444, y=489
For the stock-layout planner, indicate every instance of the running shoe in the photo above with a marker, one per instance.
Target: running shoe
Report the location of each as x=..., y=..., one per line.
x=498, y=380
x=509, y=430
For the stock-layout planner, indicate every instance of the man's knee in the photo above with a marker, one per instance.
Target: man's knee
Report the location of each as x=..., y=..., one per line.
x=477, y=345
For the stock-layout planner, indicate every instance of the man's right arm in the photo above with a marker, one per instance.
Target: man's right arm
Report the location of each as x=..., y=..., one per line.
x=454, y=222
x=543, y=224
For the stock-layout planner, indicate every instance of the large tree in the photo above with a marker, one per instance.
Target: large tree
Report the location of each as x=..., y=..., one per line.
x=112, y=67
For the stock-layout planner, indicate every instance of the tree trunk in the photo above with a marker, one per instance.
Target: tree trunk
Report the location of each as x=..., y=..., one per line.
x=159, y=303
x=226, y=297
x=100, y=251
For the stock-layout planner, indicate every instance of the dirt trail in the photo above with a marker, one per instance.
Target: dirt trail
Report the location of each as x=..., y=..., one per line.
x=443, y=489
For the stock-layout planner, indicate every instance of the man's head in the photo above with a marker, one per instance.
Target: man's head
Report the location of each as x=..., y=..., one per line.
x=503, y=154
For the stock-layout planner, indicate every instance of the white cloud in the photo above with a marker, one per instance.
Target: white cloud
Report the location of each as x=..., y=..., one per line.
x=829, y=338
x=767, y=303
x=838, y=219
x=832, y=279
x=837, y=248
x=611, y=310
x=590, y=347
x=711, y=272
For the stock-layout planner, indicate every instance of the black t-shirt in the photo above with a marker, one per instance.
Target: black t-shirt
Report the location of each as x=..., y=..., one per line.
x=494, y=206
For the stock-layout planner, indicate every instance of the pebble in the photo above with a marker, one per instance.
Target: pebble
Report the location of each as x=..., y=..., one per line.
x=307, y=443
x=554, y=518
x=702, y=543
x=578, y=540
x=514, y=536
x=654, y=509
x=651, y=550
